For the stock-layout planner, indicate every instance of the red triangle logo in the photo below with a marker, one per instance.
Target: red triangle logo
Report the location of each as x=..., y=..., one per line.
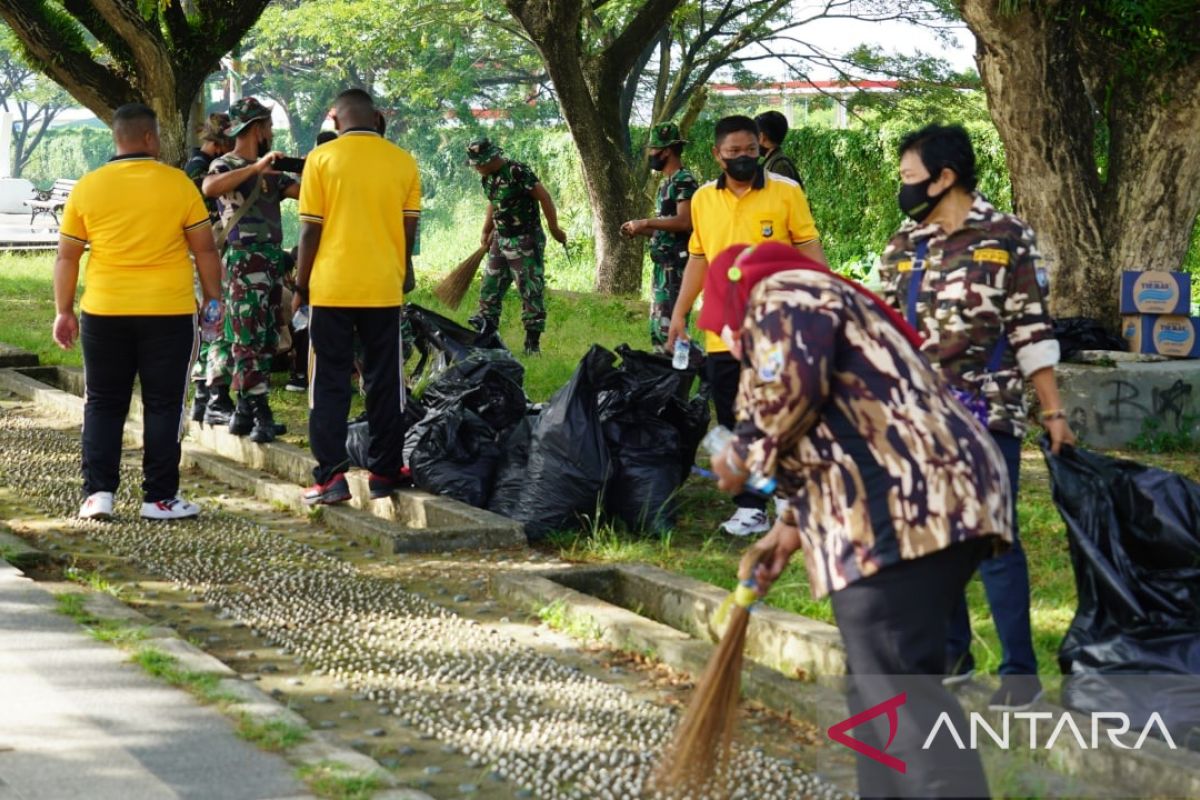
x=839, y=735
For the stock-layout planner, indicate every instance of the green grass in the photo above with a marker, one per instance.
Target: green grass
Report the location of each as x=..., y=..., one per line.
x=694, y=548
x=165, y=667
x=110, y=631
x=95, y=581
x=275, y=735
x=336, y=782
x=580, y=626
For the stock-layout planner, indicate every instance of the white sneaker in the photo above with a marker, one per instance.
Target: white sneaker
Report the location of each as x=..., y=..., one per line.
x=175, y=508
x=746, y=522
x=97, y=506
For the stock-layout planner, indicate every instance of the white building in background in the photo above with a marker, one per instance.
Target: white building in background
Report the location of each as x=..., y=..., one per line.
x=793, y=97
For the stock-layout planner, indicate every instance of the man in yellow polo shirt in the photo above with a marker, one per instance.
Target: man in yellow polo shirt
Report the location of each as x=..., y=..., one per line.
x=360, y=201
x=139, y=309
x=745, y=205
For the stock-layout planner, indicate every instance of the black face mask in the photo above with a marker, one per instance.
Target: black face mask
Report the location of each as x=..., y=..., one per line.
x=742, y=168
x=915, y=201
x=658, y=163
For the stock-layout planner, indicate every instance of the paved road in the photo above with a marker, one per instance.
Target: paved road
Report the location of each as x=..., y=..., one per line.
x=78, y=721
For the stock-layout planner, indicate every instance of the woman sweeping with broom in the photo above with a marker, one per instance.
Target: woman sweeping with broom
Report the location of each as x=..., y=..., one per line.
x=895, y=493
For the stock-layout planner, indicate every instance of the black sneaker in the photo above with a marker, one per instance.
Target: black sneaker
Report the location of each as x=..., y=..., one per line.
x=296, y=383
x=381, y=486
x=959, y=669
x=335, y=490
x=1016, y=693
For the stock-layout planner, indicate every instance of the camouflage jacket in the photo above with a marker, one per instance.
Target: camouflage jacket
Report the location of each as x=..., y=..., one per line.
x=514, y=211
x=877, y=459
x=261, y=224
x=196, y=168
x=667, y=247
x=978, y=306
x=778, y=162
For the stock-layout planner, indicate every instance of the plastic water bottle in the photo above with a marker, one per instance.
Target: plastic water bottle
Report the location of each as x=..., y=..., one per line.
x=682, y=356
x=300, y=319
x=715, y=442
x=210, y=321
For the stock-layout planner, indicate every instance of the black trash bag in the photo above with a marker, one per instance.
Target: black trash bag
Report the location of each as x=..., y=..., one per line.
x=1076, y=334
x=655, y=368
x=691, y=419
x=487, y=382
x=443, y=340
x=511, y=474
x=357, y=435
x=1134, y=536
x=453, y=452
x=646, y=475
x=568, y=457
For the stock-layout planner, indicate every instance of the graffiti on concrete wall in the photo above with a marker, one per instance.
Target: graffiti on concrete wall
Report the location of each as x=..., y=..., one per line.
x=1121, y=402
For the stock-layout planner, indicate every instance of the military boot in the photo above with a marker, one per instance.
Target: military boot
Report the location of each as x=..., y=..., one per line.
x=220, y=406
x=265, y=430
x=200, y=402
x=533, y=346
x=241, y=422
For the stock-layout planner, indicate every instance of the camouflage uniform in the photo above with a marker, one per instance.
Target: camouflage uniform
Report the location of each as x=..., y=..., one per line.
x=979, y=307
x=878, y=461
x=255, y=264
x=518, y=247
x=669, y=254
x=212, y=361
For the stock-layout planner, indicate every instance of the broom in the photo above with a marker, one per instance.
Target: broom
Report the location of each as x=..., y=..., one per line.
x=695, y=762
x=454, y=286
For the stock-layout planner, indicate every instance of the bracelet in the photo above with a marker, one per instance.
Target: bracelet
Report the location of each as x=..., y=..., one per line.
x=1050, y=416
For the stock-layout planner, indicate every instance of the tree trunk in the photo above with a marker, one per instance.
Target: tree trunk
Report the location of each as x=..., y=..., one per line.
x=1041, y=82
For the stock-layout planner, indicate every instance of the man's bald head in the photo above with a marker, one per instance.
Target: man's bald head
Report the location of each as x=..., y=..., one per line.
x=135, y=129
x=354, y=108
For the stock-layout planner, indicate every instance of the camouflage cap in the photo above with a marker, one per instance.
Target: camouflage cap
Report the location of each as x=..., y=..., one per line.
x=216, y=129
x=244, y=112
x=665, y=134
x=481, y=151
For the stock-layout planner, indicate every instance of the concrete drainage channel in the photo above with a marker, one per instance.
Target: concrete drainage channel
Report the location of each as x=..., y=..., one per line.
x=630, y=607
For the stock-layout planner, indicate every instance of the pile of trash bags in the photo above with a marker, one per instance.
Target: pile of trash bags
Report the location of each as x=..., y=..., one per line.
x=1134, y=537
x=616, y=441
x=1077, y=334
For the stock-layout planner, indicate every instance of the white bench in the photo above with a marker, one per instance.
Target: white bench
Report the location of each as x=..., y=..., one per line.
x=50, y=202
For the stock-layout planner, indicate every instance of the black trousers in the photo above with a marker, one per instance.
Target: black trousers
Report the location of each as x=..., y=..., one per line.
x=894, y=625
x=159, y=352
x=331, y=359
x=723, y=372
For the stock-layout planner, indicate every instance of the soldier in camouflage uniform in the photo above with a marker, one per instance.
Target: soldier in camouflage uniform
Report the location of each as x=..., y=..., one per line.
x=670, y=230
x=214, y=142
x=255, y=262
x=895, y=490
x=517, y=248
x=965, y=275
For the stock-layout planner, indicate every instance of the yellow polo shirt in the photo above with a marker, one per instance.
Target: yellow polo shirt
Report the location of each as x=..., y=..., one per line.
x=774, y=210
x=134, y=212
x=359, y=188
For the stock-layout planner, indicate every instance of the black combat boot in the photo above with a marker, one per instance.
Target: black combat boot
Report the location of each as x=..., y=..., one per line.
x=533, y=345
x=220, y=406
x=241, y=422
x=200, y=402
x=265, y=430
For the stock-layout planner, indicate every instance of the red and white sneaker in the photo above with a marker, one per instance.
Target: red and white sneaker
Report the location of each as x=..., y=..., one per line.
x=335, y=490
x=174, y=508
x=99, y=505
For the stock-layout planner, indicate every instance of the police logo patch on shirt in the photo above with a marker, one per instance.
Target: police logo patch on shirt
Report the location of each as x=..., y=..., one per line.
x=992, y=255
x=768, y=228
x=772, y=364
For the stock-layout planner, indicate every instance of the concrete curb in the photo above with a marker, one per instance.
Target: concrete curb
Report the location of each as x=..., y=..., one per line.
x=16, y=357
x=411, y=521
x=316, y=750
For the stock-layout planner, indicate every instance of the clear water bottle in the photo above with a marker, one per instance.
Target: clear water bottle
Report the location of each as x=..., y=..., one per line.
x=682, y=356
x=210, y=321
x=715, y=442
x=300, y=319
